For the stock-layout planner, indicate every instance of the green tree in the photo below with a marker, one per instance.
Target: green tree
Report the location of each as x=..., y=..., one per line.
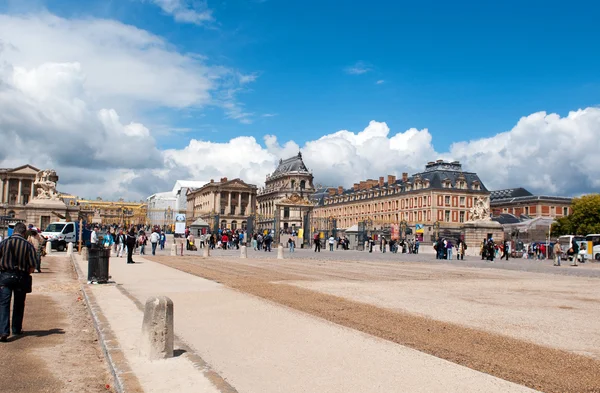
x=585, y=218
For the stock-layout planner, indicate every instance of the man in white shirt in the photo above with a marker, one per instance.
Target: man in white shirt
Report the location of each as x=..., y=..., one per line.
x=154, y=238
x=331, y=242
x=94, y=238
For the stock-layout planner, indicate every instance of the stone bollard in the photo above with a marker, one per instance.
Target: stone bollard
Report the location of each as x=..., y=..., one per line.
x=243, y=252
x=173, y=249
x=69, y=249
x=84, y=253
x=206, y=252
x=280, y=251
x=157, y=329
x=48, y=247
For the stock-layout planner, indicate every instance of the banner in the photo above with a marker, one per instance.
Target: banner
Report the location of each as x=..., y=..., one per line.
x=301, y=233
x=419, y=228
x=395, y=230
x=180, y=224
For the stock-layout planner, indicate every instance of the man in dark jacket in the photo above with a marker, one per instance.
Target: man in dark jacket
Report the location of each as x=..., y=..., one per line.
x=130, y=241
x=18, y=259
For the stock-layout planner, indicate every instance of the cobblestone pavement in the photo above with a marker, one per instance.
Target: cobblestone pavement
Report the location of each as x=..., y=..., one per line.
x=588, y=269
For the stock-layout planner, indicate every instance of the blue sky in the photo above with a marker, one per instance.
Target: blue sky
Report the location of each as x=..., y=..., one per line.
x=501, y=86
x=463, y=70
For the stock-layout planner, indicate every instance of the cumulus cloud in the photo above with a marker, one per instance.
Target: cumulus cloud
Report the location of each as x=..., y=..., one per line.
x=69, y=90
x=186, y=11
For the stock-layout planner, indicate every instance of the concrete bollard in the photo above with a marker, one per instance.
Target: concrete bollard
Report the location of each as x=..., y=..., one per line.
x=157, y=329
x=173, y=249
x=48, y=247
x=84, y=253
x=206, y=252
x=243, y=252
x=69, y=249
x=280, y=251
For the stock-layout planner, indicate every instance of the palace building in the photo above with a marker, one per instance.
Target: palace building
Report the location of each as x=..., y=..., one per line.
x=439, y=198
x=99, y=211
x=520, y=202
x=227, y=203
x=16, y=190
x=290, y=185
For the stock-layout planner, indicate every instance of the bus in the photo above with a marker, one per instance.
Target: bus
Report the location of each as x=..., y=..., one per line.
x=566, y=241
x=593, y=240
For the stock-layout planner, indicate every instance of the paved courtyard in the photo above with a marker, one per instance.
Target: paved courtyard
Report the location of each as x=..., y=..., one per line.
x=353, y=321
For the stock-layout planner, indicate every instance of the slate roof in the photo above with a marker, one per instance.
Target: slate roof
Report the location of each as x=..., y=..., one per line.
x=509, y=193
x=436, y=173
x=292, y=164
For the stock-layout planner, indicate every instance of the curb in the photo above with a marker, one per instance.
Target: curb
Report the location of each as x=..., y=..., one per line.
x=125, y=381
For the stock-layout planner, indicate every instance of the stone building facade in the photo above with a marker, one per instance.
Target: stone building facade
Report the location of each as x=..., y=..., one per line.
x=439, y=198
x=121, y=212
x=227, y=203
x=291, y=179
x=16, y=190
x=519, y=201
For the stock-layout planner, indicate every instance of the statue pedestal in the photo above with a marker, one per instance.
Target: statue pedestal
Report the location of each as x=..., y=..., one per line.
x=41, y=212
x=476, y=231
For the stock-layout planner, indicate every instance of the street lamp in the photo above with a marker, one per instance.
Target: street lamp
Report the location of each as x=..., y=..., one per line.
x=403, y=225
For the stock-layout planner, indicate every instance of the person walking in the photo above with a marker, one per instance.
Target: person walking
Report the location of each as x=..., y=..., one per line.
x=94, y=238
x=317, y=242
x=505, y=250
x=120, y=241
x=331, y=241
x=291, y=243
x=130, y=241
x=37, y=242
x=163, y=239
x=142, y=241
x=154, y=239
x=18, y=259
x=557, y=253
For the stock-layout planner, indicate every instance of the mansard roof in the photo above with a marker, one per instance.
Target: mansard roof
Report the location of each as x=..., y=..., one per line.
x=291, y=165
x=509, y=193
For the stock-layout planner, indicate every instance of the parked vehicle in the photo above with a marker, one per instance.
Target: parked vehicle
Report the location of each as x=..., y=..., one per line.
x=62, y=232
x=592, y=249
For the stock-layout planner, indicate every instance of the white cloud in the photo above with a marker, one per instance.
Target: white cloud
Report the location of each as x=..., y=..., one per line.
x=68, y=90
x=379, y=82
x=186, y=11
x=269, y=115
x=358, y=69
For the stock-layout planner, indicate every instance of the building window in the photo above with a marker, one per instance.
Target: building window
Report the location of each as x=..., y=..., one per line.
x=461, y=217
x=233, y=225
x=447, y=218
x=526, y=210
x=447, y=200
x=565, y=211
x=462, y=201
x=286, y=212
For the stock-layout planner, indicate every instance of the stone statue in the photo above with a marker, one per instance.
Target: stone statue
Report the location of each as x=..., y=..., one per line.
x=45, y=184
x=480, y=210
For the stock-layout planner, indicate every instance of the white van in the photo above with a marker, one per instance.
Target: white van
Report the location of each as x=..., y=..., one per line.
x=60, y=233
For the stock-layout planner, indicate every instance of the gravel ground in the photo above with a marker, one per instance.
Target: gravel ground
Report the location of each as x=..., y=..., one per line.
x=59, y=351
x=448, y=331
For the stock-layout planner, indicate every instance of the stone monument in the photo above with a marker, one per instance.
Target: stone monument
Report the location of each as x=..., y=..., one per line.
x=47, y=205
x=480, y=226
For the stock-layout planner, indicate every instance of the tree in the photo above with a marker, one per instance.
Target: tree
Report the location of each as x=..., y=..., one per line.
x=585, y=218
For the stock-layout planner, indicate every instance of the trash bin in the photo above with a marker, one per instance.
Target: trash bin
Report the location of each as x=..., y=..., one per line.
x=98, y=265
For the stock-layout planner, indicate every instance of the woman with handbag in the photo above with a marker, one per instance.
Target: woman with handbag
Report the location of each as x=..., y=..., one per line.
x=18, y=260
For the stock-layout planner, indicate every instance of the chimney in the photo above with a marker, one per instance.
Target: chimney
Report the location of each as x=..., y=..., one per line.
x=340, y=190
x=381, y=182
x=331, y=191
x=212, y=180
x=404, y=177
x=391, y=180
x=363, y=185
x=356, y=187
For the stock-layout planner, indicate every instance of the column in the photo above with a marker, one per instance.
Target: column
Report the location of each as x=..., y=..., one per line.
x=2, y=191
x=19, y=196
x=218, y=202
x=239, y=206
x=228, y=211
x=32, y=192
